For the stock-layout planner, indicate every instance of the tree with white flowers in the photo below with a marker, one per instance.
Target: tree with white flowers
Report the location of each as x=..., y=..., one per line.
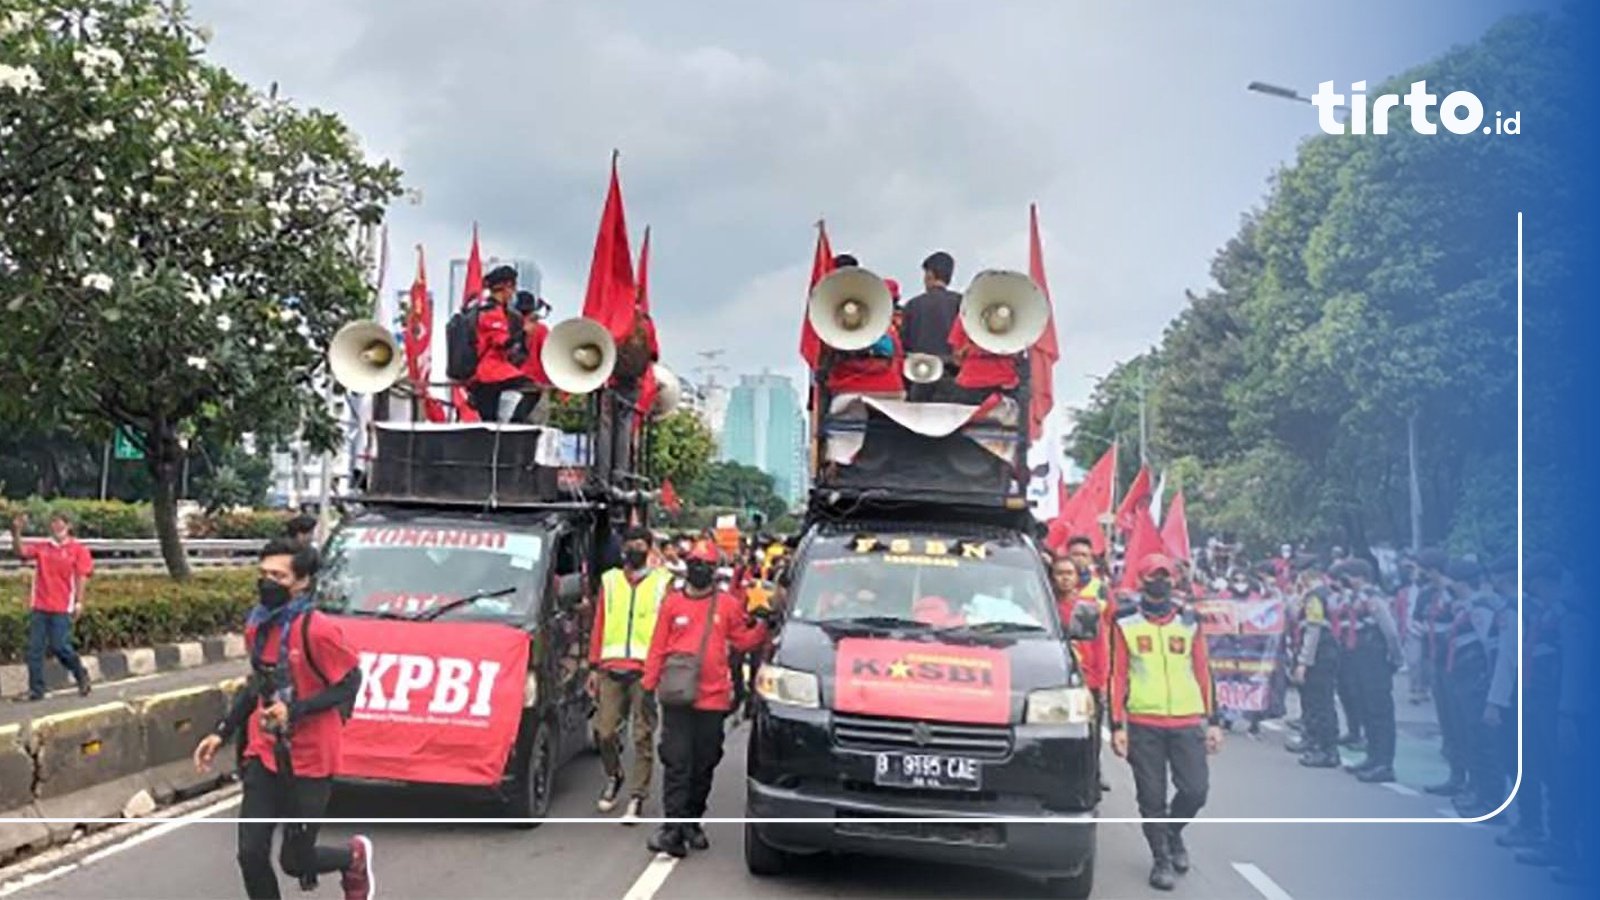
x=176, y=248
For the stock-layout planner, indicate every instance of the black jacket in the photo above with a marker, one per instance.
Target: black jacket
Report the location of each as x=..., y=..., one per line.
x=928, y=319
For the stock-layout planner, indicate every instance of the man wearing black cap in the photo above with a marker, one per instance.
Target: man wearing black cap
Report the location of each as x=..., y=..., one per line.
x=502, y=347
x=1373, y=660
x=928, y=318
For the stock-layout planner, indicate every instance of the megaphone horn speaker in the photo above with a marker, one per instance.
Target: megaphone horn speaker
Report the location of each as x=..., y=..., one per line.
x=669, y=392
x=364, y=358
x=1004, y=312
x=923, y=368
x=579, y=355
x=850, y=309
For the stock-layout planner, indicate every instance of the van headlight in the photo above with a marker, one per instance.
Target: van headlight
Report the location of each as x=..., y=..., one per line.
x=790, y=687
x=530, y=690
x=1060, y=706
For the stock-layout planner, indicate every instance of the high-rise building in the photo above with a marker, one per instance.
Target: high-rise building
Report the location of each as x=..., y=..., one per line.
x=765, y=428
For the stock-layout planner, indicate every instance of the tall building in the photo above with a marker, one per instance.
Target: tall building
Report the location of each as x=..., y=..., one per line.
x=765, y=428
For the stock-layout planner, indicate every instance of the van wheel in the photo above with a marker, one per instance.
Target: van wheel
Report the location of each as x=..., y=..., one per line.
x=760, y=857
x=1075, y=887
x=529, y=798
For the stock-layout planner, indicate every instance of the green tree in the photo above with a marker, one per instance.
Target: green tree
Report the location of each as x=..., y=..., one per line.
x=177, y=247
x=681, y=447
x=736, y=487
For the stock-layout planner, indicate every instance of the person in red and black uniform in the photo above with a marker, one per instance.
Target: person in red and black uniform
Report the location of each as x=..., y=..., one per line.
x=534, y=310
x=61, y=568
x=291, y=714
x=691, y=735
x=502, y=349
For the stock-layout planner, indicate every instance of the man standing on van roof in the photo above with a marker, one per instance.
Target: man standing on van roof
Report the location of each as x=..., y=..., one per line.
x=928, y=318
x=1163, y=713
x=624, y=624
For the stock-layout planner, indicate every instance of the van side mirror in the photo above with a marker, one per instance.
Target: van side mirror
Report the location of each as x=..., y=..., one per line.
x=1085, y=622
x=569, y=590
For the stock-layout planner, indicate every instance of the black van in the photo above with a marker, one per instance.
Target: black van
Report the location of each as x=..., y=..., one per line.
x=390, y=569
x=922, y=671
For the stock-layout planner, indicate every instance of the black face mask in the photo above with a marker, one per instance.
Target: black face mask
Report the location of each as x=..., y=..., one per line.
x=635, y=558
x=272, y=594
x=700, y=575
x=1157, y=596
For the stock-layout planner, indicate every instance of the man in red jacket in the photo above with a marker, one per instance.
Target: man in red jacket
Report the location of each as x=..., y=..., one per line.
x=691, y=734
x=502, y=348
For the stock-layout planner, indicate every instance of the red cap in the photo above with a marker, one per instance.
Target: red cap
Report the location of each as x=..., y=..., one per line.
x=894, y=288
x=1156, y=562
x=704, y=551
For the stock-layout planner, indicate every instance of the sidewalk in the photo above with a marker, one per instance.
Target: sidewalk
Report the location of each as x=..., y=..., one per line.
x=111, y=668
x=14, y=711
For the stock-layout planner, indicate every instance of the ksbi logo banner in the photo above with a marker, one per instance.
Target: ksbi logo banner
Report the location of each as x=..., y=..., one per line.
x=1080, y=449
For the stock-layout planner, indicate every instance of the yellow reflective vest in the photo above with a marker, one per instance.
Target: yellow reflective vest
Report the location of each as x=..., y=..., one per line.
x=1161, y=666
x=629, y=618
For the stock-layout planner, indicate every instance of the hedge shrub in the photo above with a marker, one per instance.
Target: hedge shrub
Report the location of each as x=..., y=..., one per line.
x=137, y=610
x=252, y=523
x=111, y=519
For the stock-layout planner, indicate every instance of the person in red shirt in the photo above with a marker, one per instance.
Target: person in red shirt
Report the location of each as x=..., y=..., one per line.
x=502, y=349
x=61, y=567
x=691, y=735
x=876, y=371
x=292, y=715
x=534, y=311
x=981, y=372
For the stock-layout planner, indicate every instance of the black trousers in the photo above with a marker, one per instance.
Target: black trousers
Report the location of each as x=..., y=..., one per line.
x=1541, y=803
x=1444, y=708
x=691, y=747
x=1317, y=707
x=1349, y=690
x=1153, y=752
x=267, y=797
x=1468, y=685
x=1375, y=686
x=485, y=398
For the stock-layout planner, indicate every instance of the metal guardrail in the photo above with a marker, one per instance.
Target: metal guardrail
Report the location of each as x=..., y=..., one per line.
x=144, y=554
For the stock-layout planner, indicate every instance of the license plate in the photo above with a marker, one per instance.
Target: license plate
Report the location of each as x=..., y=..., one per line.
x=928, y=770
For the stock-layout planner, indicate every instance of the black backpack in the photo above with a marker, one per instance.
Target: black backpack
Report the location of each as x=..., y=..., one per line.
x=461, y=342
x=346, y=708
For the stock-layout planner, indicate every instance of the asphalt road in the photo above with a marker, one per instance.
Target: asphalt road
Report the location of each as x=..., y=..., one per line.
x=1252, y=777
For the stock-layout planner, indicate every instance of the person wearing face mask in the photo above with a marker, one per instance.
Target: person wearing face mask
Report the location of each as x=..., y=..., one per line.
x=619, y=641
x=1163, y=713
x=705, y=627
x=303, y=684
x=61, y=568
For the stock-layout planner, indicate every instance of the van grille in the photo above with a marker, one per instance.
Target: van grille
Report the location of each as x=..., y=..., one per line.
x=882, y=734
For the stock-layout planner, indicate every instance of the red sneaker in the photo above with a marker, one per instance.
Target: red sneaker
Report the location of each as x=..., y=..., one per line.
x=358, y=881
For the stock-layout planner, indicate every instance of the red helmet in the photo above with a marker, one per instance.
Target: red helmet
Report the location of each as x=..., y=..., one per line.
x=704, y=551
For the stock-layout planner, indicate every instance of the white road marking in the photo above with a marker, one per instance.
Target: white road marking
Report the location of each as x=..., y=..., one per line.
x=1401, y=789
x=1262, y=882
x=151, y=834
x=134, y=840
x=652, y=878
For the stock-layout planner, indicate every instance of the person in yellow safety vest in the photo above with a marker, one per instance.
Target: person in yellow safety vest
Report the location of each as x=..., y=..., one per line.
x=619, y=642
x=1163, y=713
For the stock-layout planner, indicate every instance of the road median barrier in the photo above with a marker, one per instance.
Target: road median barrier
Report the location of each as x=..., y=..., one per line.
x=16, y=795
x=173, y=724
x=87, y=762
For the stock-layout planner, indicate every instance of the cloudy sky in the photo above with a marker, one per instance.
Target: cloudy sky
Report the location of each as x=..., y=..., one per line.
x=910, y=126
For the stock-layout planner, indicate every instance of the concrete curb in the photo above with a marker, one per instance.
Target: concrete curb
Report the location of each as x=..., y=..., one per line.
x=115, y=665
x=90, y=763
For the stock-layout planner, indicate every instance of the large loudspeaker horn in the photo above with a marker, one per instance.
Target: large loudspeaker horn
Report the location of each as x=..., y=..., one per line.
x=923, y=368
x=850, y=309
x=579, y=355
x=364, y=358
x=1004, y=312
x=669, y=392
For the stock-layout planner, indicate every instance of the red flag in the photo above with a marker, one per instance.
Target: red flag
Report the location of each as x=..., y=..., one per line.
x=1144, y=541
x=1137, y=500
x=669, y=497
x=821, y=265
x=472, y=290
x=612, y=294
x=644, y=273
x=419, y=338
x=1045, y=351
x=1082, y=511
x=1175, y=530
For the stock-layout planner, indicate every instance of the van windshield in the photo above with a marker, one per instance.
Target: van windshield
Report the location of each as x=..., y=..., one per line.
x=924, y=582
x=408, y=570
